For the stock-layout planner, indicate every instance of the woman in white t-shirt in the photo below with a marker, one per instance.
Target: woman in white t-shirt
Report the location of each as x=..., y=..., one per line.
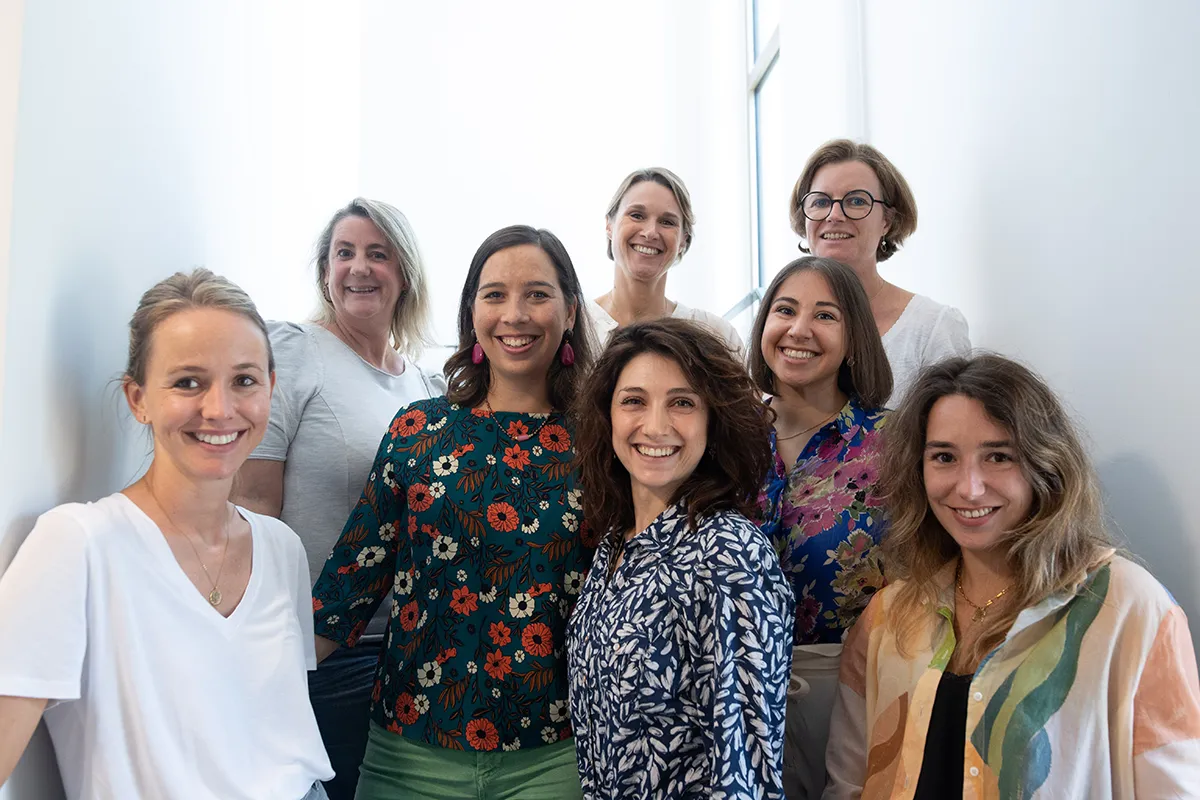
x=163, y=632
x=342, y=378
x=852, y=205
x=649, y=225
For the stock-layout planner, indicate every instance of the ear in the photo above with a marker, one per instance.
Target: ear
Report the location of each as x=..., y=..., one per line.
x=608, y=228
x=135, y=396
x=572, y=311
x=271, y=387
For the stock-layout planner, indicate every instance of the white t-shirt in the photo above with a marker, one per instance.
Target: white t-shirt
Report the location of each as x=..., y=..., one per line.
x=605, y=324
x=925, y=333
x=155, y=695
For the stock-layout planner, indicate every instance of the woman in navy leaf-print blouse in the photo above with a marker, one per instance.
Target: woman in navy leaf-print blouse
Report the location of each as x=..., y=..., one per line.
x=472, y=517
x=681, y=641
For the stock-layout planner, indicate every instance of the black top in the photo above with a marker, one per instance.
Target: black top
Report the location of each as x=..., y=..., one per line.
x=942, y=766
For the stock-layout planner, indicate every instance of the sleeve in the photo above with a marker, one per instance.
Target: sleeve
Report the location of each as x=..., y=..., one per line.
x=298, y=376
x=43, y=612
x=434, y=380
x=846, y=752
x=1166, y=715
x=361, y=567
x=302, y=591
x=747, y=610
x=949, y=337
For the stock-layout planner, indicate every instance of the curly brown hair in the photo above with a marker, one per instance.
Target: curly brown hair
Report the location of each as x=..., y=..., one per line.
x=731, y=471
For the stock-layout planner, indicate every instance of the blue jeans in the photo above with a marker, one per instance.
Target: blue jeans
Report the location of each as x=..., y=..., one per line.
x=340, y=692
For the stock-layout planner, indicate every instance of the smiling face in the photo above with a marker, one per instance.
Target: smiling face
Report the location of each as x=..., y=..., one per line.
x=974, y=482
x=660, y=426
x=646, y=232
x=520, y=314
x=853, y=242
x=364, y=281
x=207, y=392
x=804, y=337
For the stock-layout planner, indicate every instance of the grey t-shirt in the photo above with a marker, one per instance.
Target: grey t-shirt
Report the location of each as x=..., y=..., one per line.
x=328, y=414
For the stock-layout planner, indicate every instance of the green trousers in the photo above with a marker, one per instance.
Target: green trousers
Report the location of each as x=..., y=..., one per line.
x=395, y=768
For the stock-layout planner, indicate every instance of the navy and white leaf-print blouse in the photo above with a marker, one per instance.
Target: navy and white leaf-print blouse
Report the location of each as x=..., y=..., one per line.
x=679, y=663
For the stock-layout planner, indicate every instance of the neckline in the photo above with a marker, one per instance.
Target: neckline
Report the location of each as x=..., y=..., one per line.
x=156, y=540
x=907, y=308
x=408, y=363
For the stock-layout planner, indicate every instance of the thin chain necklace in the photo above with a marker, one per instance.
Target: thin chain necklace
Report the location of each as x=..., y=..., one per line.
x=980, y=611
x=214, y=597
x=521, y=437
x=779, y=438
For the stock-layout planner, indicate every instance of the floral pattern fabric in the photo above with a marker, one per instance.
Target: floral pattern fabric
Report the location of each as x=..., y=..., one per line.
x=679, y=664
x=826, y=521
x=480, y=538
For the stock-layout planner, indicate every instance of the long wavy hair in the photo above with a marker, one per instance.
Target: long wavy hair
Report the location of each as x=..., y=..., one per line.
x=738, y=455
x=1064, y=536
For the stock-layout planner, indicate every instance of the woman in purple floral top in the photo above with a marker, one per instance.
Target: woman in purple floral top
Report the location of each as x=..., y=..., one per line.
x=820, y=358
x=472, y=517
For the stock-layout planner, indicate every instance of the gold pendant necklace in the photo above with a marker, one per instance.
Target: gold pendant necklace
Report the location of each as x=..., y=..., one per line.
x=779, y=438
x=214, y=597
x=980, y=611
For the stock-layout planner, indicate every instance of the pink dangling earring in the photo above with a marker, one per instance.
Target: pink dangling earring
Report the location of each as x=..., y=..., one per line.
x=477, y=354
x=567, y=354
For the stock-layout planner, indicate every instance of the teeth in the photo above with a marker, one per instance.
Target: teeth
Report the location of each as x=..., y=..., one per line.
x=646, y=251
x=790, y=353
x=835, y=236
x=361, y=289
x=210, y=439
x=973, y=513
x=656, y=452
x=516, y=341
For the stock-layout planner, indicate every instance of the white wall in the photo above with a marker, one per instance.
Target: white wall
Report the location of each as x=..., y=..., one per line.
x=1049, y=146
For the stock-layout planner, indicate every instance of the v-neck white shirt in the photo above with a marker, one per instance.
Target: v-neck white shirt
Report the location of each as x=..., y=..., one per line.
x=154, y=694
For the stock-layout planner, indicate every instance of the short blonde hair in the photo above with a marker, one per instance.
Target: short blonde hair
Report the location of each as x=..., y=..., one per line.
x=410, y=320
x=663, y=177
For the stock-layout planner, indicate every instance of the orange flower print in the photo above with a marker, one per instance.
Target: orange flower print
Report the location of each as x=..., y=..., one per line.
x=502, y=517
x=481, y=412
x=537, y=639
x=406, y=709
x=465, y=601
x=555, y=437
x=515, y=457
x=317, y=604
x=497, y=665
x=501, y=634
x=539, y=589
x=481, y=734
x=419, y=498
x=516, y=428
x=409, y=615
x=408, y=423
x=446, y=655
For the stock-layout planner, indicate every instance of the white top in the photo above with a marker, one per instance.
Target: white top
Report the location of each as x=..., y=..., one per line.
x=926, y=332
x=605, y=324
x=153, y=693
x=329, y=412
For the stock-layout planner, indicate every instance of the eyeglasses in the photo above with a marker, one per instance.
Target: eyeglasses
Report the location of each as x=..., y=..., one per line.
x=855, y=205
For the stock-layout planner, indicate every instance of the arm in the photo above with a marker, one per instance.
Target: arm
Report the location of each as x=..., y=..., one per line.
x=846, y=752
x=259, y=486
x=1166, y=715
x=18, y=718
x=325, y=648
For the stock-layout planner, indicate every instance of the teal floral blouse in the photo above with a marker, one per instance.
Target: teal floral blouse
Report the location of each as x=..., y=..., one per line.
x=479, y=535
x=825, y=518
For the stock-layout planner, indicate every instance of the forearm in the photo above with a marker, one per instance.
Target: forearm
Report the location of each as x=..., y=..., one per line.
x=18, y=718
x=325, y=648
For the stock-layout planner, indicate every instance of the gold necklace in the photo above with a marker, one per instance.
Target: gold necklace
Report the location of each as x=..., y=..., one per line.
x=519, y=437
x=214, y=597
x=980, y=611
x=779, y=438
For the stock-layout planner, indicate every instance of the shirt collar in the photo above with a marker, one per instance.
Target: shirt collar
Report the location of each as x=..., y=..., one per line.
x=662, y=533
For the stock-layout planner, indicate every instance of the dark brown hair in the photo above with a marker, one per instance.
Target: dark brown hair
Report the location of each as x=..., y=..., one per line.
x=731, y=471
x=1064, y=536
x=901, y=208
x=865, y=372
x=468, y=382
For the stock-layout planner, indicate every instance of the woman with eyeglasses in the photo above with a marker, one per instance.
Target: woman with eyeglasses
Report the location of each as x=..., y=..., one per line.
x=852, y=205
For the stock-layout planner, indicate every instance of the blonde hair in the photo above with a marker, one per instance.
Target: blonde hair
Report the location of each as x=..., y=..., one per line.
x=410, y=320
x=1064, y=536
x=199, y=288
x=667, y=179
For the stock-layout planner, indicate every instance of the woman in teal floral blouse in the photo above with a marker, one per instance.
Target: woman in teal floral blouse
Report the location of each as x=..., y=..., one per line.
x=820, y=358
x=472, y=517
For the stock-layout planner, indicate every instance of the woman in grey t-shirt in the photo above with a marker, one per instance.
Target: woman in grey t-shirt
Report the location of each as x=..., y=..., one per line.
x=341, y=379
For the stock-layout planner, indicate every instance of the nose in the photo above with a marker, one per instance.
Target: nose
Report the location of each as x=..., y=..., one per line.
x=801, y=327
x=515, y=312
x=657, y=422
x=217, y=403
x=836, y=212
x=970, y=484
x=359, y=265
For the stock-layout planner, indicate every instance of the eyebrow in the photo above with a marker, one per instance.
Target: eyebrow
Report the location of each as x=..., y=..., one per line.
x=375, y=245
x=819, y=303
x=194, y=368
x=642, y=207
x=1003, y=443
x=675, y=391
x=502, y=285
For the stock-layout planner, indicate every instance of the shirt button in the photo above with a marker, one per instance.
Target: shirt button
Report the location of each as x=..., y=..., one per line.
x=974, y=772
x=978, y=696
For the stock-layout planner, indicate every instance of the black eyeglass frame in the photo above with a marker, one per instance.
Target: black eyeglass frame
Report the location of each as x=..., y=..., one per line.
x=839, y=201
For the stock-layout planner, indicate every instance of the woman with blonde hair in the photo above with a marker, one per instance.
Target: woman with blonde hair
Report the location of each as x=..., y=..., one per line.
x=341, y=379
x=1015, y=652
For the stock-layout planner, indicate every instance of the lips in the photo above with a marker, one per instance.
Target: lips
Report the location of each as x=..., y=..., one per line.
x=646, y=249
x=217, y=439
x=657, y=452
x=836, y=236
x=362, y=289
x=516, y=342
x=800, y=355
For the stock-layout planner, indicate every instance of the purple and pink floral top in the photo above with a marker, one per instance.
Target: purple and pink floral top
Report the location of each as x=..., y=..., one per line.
x=826, y=520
